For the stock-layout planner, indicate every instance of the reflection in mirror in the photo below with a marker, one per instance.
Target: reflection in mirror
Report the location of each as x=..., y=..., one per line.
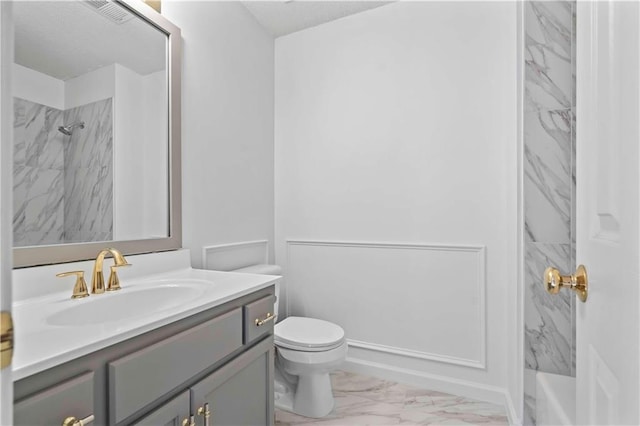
x=91, y=144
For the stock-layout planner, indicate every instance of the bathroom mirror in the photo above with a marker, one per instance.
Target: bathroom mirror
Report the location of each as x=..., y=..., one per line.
x=96, y=87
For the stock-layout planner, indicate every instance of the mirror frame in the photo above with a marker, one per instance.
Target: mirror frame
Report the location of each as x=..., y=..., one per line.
x=51, y=254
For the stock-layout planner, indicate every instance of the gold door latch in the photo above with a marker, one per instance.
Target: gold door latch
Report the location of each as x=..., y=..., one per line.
x=6, y=339
x=579, y=283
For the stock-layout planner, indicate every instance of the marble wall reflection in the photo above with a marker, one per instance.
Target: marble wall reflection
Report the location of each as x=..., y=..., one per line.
x=38, y=175
x=549, y=188
x=88, y=175
x=63, y=185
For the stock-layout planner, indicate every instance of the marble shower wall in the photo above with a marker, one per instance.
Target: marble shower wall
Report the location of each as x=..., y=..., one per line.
x=549, y=188
x=63, y=185
x=88, y=178
x=38, y=174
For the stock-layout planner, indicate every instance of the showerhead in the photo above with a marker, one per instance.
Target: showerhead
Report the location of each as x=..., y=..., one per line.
x=68, y=130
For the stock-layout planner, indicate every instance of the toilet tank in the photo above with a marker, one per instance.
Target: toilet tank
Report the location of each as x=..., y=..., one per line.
x=264, y=269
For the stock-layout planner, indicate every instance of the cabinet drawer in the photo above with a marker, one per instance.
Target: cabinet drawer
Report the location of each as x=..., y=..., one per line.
x=71, y=398
x=144, y=376
x=258, y=311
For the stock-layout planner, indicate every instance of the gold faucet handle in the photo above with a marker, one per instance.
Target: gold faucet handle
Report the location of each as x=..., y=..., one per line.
x=114, y=281
x=80, y=289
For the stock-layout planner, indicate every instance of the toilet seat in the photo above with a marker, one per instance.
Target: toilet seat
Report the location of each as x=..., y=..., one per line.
x=308, y=334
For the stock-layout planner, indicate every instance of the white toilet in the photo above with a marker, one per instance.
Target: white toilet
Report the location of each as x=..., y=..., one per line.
x=307, y=350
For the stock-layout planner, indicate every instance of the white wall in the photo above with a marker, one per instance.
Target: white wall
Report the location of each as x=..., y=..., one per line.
x=91, y=87
x=395, y=153
x=156, y=160
x=227, y=124
x=37, y=87
x=128, y=129
x=141, y=151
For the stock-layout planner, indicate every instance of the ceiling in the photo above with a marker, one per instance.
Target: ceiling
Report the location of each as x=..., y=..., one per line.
x=285, y=17
x=65, y=39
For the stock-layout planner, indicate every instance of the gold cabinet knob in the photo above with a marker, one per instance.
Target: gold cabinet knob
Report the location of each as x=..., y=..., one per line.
x=72, y=421
x=191, y=421
x=204, y=412
x=579, y=283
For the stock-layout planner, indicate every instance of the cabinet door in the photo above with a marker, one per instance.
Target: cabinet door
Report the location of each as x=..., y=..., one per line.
x=170, y=414
x=240, y=393
x=51, y=406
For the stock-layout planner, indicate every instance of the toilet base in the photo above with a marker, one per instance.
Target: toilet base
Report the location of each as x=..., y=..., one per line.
x=311, y=396
x=283, y=389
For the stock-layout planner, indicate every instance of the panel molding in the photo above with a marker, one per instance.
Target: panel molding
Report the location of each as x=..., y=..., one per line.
x=479, y=250
x=604, y=390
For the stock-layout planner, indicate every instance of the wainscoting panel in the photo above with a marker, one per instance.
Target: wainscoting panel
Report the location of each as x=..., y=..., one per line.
x=414, y=300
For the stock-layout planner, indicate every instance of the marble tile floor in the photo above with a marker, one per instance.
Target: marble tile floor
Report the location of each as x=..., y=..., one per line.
x=362, y=400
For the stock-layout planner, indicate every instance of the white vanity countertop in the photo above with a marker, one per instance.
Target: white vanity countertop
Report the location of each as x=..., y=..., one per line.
x=41, y=345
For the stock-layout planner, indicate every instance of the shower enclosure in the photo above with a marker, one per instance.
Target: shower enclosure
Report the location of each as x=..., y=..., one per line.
x=63, y=173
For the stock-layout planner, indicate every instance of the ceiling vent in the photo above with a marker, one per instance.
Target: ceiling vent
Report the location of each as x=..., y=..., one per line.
x=109, y=10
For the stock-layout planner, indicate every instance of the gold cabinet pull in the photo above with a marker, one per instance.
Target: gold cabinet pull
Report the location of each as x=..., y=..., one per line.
x=6, y=339
x=191, y=421
x=579, y=283
x=269, y=317
x=80, y=289
x=72, y=421
x=204, y=412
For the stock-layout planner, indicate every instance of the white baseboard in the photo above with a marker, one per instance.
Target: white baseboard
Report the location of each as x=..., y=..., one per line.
x=512, y=413
x=467, y=389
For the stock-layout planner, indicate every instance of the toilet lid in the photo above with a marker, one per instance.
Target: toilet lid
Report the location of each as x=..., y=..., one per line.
x=307, y=333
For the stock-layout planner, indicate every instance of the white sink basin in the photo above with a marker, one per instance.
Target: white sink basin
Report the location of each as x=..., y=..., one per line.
x=55, y=329
x=129, y=303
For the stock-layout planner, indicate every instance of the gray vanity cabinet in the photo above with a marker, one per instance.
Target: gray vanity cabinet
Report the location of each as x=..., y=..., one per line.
x=164, y=376
x=239, y=393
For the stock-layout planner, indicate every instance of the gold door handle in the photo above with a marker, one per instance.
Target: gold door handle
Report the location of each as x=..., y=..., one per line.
x=191, y=421
x=579, y=283
x=72, y=421
x=269, y=317
x=6, y=339
x=204, y=412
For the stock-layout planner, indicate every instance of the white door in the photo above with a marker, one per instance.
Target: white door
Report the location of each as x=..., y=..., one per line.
x=608, y=190
x=6, y=190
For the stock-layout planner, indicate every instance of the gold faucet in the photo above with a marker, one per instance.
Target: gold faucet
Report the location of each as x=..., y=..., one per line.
x=97, y=283
x=80, y=289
